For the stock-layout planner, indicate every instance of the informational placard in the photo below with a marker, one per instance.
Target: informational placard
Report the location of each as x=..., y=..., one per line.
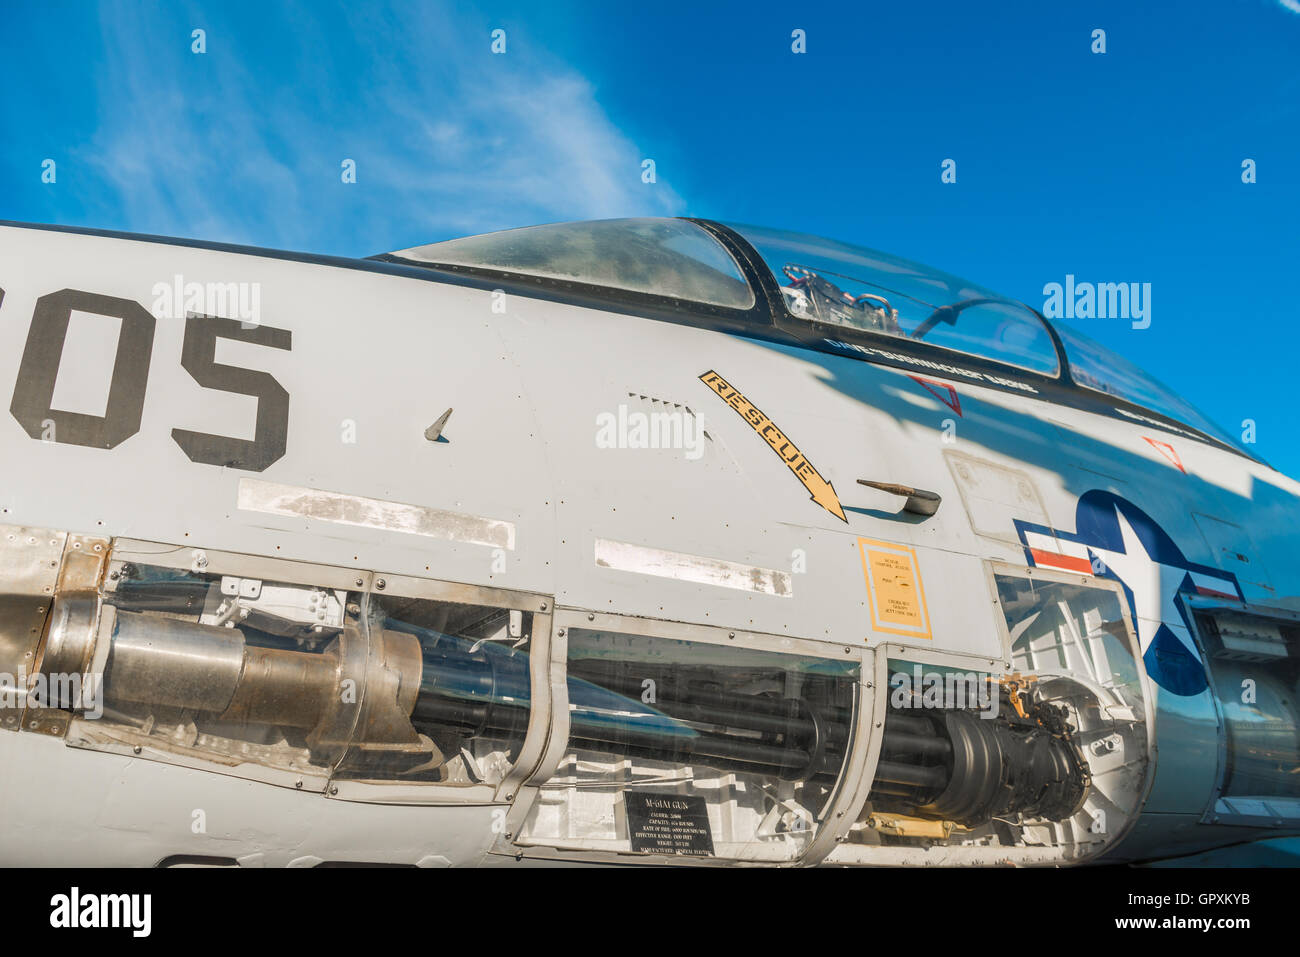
x=894, y=586
x=661, y=823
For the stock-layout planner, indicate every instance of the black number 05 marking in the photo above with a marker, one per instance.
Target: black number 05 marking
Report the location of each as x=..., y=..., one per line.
x=33, y=397
x=198, y=356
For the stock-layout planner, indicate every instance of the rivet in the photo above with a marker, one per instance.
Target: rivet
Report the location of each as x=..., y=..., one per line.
x=380, y=583
x=137, y=749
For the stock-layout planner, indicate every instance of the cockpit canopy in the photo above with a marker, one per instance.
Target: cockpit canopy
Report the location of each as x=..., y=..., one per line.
x=850, y=285
x=841, y=285
x=835, y=286
x=663, y=257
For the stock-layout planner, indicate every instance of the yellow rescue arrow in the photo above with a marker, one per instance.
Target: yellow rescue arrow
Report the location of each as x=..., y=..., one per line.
x=822, y=491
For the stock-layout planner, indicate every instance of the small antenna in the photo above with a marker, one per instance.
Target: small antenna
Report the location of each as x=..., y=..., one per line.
x=434, y=432
x=919, y=501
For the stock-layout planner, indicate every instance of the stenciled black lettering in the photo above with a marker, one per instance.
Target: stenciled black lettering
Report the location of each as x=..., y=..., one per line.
x=39, y=371
x=198, y=357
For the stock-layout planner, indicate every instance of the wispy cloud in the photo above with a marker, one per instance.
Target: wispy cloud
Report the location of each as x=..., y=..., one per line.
x=244, y=143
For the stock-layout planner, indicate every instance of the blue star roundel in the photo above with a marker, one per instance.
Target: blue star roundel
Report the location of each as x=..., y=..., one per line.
x=1116, y=539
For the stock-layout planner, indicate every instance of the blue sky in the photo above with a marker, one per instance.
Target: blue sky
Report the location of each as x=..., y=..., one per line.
x=1115, y=167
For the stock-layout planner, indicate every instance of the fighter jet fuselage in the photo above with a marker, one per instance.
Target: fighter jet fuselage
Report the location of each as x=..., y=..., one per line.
x=639, y=541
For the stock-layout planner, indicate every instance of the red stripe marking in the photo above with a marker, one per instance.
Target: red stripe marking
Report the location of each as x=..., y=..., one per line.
x=1057, y=560
x=1211, y=593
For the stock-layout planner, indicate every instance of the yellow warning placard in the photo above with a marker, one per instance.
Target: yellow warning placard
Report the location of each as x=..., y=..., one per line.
x=819, y=488
x=897, y=597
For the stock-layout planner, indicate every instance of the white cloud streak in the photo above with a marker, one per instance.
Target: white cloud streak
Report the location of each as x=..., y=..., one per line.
x=448, y=138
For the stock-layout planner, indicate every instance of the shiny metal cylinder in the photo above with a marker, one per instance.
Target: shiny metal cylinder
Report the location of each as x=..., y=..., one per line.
x=282, y=687
x=1263, y=736
x=155, y=660
x=164, y=661
x=71, y=633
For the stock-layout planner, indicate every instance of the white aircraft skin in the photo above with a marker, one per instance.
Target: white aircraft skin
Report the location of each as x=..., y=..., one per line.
x=519, y=495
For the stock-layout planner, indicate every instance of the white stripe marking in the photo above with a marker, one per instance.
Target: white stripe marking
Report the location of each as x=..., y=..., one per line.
x=256, y=495
x=623, y=556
